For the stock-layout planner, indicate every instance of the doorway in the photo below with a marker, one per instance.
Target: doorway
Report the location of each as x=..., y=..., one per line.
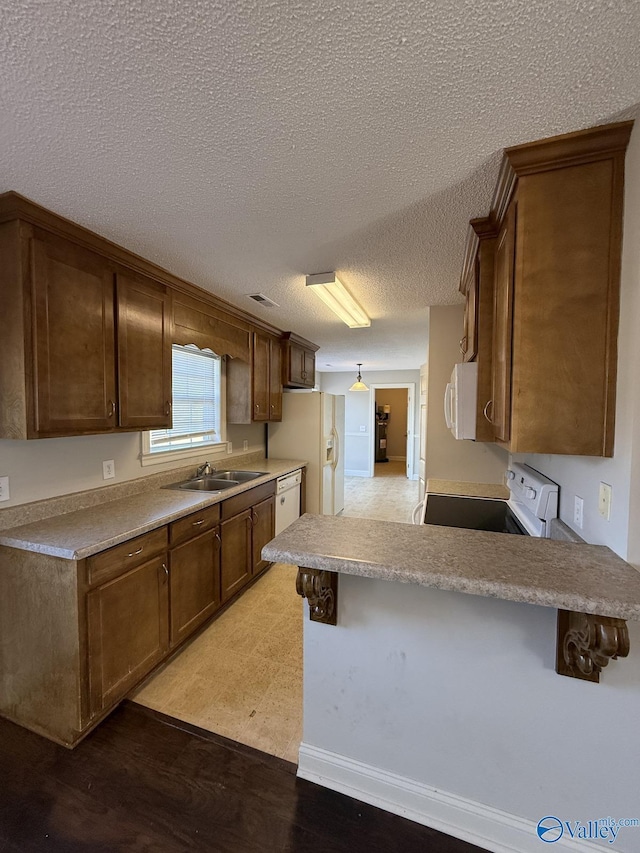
x=391, y=418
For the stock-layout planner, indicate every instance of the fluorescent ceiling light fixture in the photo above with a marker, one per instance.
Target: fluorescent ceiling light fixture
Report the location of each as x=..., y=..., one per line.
x=359, y=385
x=328, y=287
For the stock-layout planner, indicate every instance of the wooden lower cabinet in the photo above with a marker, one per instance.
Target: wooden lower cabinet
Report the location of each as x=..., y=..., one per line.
x=263, y=524
x=194, y=572
x=127, y=631
x=236, y=553
x=76, y=636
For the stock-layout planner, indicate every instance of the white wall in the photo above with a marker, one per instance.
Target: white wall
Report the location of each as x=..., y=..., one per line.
x=446, y=457
x=582, y=475
x=358, y=444
x=458, y=693
x=49, y=467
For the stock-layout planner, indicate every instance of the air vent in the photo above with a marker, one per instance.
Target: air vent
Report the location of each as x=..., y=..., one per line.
x=263, y=300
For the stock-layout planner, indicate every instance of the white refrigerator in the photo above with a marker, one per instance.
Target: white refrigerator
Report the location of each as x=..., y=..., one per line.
x=312, y=429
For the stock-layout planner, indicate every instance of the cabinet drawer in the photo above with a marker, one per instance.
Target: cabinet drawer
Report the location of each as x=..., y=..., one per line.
x=108, y=564
x=239, y=503
x=194, y=524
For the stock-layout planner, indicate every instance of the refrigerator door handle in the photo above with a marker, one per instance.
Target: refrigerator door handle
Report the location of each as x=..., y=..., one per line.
x=336, y=447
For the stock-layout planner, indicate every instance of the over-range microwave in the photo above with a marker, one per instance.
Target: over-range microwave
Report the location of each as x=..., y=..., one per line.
x=460, y=400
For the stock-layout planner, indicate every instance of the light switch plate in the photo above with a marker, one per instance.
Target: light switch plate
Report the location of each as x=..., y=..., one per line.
x=578, y=509
x=108, y=469
x=604, y=501
x=229, y=447
x=245, y=444
x=4, y=489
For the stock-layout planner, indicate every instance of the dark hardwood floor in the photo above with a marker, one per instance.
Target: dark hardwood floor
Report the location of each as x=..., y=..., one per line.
x=144, y=782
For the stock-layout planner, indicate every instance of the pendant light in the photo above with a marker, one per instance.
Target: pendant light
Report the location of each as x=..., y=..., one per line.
x=359, y=385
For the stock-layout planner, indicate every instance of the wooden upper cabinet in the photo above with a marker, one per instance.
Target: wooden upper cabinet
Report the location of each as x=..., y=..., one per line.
x=260, y=377
x=559, y=206
x=144, y=352
x=477, y=285
x=275, y=380
x=498, y=410
x=469, y=340
x=74, y=381
x=254, y=390
x=299, y=365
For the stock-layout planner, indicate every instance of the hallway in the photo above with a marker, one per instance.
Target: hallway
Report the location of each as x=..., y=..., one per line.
x=387, y=496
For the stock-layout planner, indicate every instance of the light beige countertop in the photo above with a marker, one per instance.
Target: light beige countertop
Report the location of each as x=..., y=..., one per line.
x=83, y=532
x=581, y=578
x=469, y=490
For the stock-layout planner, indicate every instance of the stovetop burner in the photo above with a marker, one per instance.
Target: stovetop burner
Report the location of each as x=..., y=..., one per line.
x=472, y=514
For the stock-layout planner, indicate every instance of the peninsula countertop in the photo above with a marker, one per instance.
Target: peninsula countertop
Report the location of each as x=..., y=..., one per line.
x=581, y=578
x=83, y=532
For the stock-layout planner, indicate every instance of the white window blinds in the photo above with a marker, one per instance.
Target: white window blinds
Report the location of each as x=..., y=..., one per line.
x=196, y=401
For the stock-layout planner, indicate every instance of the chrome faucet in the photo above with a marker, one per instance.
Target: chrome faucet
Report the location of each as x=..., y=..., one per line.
x=205, y=470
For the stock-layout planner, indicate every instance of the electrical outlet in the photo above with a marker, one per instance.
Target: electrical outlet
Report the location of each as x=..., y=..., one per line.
x=363, y=428
x=4, y=489
x=229, y=447
x=578, y=508
x=245, y=444
x=108, y=469
x=604, y=501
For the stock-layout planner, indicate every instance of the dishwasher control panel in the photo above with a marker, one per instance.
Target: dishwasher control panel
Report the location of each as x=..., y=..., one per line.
x=288, y=481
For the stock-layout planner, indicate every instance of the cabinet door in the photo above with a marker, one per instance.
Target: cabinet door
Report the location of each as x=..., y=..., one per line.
x=73, y=339
x=275, y=381
x=309, y=368
x=295, y=364
x=502, y=327
x=236, y=556
x=194, y=573
x=128, y=631
x=264, y=525
x=469, y=342
x=260, y=378
x=144, y=352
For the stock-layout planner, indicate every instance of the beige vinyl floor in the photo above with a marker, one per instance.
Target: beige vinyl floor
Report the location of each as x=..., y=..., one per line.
x=242, y=676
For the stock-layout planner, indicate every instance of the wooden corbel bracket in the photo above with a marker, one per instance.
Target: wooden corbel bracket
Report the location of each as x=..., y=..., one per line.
x=320, y=588
x=586, y=643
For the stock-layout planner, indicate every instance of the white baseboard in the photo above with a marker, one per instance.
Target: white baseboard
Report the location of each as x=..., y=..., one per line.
x=471, y=821
x=352, y=472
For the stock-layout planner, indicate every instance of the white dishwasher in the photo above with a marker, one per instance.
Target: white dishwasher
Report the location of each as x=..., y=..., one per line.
x=287, y=499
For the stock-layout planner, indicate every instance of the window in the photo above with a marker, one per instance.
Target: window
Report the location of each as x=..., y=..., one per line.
x=197, y=404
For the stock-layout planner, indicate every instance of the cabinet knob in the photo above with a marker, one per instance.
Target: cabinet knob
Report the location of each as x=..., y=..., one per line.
x=257, y=407
x=167, y=408
x=135, y=553
x=463, y=345
x=166, y=570
x=111, y=408
x=218, y=539
x=304, y=374
x=197, y=523
x=485, y=411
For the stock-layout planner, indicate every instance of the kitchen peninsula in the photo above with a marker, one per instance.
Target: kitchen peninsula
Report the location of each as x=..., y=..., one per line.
x=428, y=702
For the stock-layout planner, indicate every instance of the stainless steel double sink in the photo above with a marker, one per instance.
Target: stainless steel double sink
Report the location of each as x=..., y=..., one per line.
x=217, y=482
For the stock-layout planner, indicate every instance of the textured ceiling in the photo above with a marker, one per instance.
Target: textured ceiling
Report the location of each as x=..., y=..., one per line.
x=242, y=143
